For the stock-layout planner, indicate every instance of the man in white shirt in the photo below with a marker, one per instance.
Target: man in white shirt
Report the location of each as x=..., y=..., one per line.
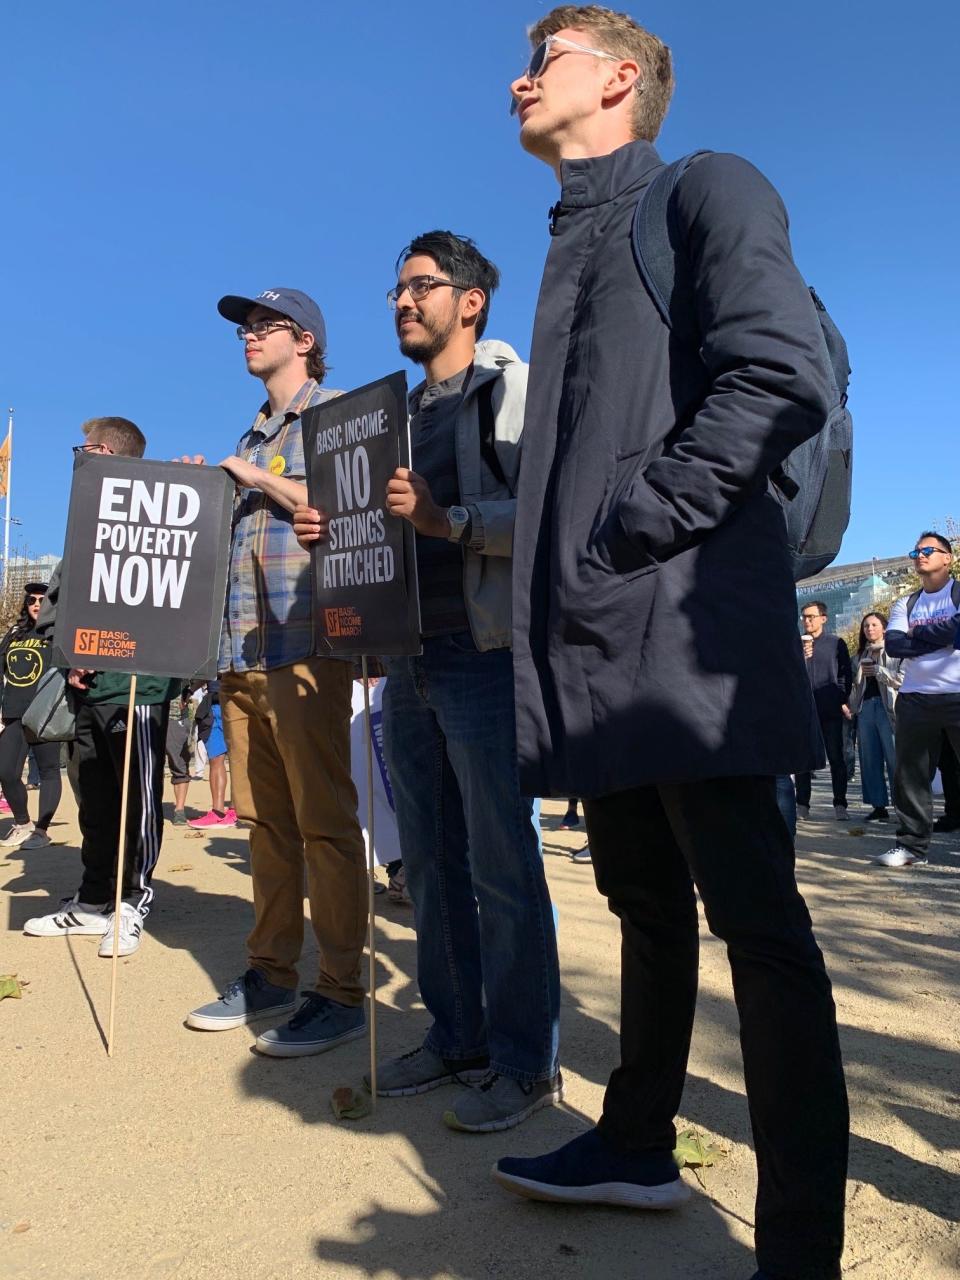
x=924, y=629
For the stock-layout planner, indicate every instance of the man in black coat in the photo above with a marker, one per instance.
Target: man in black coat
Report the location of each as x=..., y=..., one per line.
x=659, y=673
x=831, y=675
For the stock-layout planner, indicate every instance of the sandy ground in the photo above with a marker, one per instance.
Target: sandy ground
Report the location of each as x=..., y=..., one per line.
x=187, y=1155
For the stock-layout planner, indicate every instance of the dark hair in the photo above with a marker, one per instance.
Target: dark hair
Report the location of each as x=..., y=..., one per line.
x=937, y=537
x=862, y=639
x=316, y=364
x=120, y=434
x=24, y=624
x=460, y=259
x=819, y=605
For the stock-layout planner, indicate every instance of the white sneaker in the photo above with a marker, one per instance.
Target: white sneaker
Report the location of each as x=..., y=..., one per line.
x=899, y=857
x=131, y=926
x=73, y=916
x=581, y=855
x=16, y=835
x=840, y=813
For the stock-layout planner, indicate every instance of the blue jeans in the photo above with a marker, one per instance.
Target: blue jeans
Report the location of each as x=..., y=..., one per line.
x=486, y=946
x=787, y=803
x=875, y=734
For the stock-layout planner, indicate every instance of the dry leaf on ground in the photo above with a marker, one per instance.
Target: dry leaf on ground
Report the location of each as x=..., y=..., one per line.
x=181, y=866
x=693, y=1153
x=349, y=1104
x=9, y=986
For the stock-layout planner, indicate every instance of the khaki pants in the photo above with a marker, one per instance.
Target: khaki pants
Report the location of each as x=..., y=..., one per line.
x=288, y=734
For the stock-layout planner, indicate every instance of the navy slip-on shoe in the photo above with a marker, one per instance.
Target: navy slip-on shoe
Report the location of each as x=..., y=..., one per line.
x=589, y=1171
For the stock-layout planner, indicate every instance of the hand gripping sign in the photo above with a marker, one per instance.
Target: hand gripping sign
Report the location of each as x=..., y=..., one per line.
x=145, y=567
x=365, y=573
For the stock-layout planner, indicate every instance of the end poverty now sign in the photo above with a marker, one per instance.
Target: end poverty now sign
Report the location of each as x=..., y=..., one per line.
x=365, y=573
x=144, y=571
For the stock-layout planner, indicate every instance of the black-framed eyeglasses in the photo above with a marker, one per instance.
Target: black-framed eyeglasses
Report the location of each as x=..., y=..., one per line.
x=260, y=329
x=90, y=448
x=926, y=552
x=418, y=287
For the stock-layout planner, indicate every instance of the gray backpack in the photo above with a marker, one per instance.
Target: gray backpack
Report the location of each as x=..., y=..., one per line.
x=813, y=482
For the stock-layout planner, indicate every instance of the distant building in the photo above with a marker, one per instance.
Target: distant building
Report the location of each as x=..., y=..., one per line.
x=849, y=590
x=37, y=569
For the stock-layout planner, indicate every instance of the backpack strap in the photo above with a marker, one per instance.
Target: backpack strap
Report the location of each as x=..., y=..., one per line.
x=488, y=450
x=912, y=599
x=955, y=593
x=657, y=238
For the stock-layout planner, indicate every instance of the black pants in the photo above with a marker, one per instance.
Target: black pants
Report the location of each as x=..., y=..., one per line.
x=832, y=731
x=922, y=718
x=950, y=777
x=649, y=847
x=13, y=756
x=97, y=762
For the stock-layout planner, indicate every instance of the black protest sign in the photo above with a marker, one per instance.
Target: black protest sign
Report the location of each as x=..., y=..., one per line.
x=144, y=571
x=365, y=573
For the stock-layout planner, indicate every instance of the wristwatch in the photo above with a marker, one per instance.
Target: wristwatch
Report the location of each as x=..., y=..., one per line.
x=458, y=518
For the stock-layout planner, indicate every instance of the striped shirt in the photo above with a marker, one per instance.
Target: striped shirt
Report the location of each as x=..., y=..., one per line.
x=268, y=618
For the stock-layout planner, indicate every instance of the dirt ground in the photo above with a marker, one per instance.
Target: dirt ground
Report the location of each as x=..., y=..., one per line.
x=187, y=1155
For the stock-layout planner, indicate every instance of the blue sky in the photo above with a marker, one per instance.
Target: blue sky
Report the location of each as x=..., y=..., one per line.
x=157, y=156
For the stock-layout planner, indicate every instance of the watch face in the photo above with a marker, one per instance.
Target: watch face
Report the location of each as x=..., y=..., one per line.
x=458, y=515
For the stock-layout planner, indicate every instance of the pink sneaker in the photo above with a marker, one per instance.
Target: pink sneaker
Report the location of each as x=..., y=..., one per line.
x=210, y=819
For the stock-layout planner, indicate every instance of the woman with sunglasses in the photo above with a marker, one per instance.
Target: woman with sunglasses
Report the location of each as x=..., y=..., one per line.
x=23, y=660
x=872, y=698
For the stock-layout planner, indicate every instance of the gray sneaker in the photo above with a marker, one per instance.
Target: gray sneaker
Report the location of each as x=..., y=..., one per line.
x=582, y=855
x=422, y=1070
x=249, y=998
x=501, y=1102
x=36, y=840
x=318, y=1025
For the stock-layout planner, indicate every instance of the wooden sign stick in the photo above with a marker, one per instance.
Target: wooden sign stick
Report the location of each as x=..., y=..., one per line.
x=121, y=849
x=371, y=896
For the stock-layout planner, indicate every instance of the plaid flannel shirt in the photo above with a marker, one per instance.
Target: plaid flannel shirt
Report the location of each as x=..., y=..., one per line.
x=268, y=617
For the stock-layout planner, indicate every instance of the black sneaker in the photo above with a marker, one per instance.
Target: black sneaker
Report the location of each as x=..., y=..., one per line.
x=947, y=824
x=877, y=814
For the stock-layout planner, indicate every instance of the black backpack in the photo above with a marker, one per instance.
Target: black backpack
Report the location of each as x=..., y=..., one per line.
x=813, y=482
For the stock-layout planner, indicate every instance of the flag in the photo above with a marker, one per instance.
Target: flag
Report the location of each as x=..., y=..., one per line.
x=4, y=465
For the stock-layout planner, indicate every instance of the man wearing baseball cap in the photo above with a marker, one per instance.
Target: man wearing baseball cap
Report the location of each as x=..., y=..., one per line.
x=286, y=712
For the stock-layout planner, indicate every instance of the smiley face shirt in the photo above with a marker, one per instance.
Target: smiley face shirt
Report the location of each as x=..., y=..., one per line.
x=25, y=659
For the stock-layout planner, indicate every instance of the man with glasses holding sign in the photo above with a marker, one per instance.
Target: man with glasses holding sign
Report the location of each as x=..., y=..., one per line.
x=646, y=537
x=486, y=948
x=924, y=629
x=286, y=712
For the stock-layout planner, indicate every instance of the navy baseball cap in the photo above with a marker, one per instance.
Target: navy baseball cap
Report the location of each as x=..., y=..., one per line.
x=296, y=306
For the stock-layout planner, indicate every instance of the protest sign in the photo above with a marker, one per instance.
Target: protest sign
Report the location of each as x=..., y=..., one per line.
x=365, y=572
x=144, y=570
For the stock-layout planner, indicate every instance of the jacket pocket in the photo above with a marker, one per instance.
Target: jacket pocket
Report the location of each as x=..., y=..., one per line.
x=615, y=552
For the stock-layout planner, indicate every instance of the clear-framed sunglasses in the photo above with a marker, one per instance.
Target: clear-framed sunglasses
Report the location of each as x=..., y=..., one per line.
x=541, y=56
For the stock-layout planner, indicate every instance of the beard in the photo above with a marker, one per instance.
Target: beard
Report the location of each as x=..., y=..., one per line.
x=428, y=339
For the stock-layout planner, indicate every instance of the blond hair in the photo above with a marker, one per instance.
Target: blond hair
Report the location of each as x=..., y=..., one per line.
x=119, y=434
x=617, y=33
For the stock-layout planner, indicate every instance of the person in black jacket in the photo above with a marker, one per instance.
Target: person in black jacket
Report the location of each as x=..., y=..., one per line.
x=831, y=675
x=648, y=549
x=25, y=658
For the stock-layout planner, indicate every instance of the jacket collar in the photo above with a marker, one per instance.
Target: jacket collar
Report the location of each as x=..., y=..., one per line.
x=597, y=180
